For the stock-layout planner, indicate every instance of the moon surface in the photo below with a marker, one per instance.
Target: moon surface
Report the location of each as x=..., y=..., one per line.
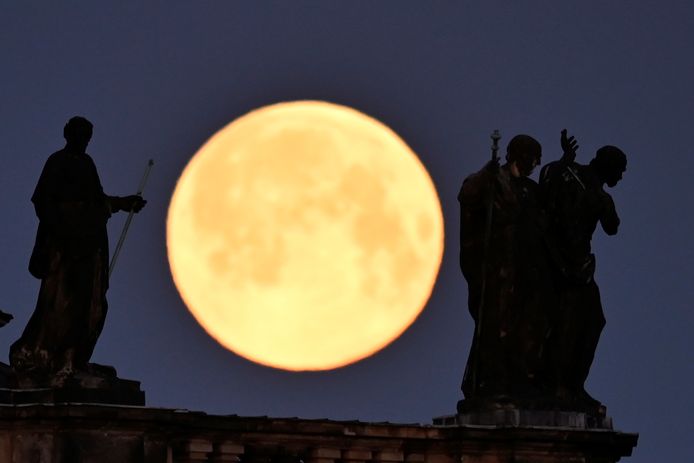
x=305, y=236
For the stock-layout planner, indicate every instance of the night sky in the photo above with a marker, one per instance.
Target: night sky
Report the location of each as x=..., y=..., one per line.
x=158, y=78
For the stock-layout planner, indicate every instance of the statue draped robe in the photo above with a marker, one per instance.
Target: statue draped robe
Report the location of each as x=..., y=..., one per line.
x=70, y=257
x=507, y=356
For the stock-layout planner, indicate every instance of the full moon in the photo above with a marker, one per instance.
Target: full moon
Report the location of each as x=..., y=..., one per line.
x=305, y=236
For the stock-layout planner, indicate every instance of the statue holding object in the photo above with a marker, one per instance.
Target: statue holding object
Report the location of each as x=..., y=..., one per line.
x=71, y=258
x=504, y=260
x=575, y=201
x=525, y=254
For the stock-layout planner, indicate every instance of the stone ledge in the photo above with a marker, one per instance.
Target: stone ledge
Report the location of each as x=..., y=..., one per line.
x=73, y=433
x=527, y=418
x=119, y=392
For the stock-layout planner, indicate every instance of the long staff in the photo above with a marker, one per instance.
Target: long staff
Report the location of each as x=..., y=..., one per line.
x=496, y=136
x=121, y=240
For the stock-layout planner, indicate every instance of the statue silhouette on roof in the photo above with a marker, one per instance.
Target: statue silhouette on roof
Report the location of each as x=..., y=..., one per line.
x=505, y=261
x=526, y=256
x=71, y=258
x=575, y=200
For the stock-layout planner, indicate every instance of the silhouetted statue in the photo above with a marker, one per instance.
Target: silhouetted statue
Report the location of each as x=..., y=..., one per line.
x=505, y=259
x=70, y=257
x=575, y=202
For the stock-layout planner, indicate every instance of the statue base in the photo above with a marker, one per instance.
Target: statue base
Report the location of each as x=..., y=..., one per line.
x=535, y=430
x=530, y=412
x=99, y=384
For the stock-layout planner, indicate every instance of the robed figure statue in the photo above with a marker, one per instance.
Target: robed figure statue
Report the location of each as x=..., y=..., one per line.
x=526, y=255
x=71, y=258
x=505, y=260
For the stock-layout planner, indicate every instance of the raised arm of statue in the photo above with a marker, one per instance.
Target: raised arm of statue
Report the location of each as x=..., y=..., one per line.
x=569, y=147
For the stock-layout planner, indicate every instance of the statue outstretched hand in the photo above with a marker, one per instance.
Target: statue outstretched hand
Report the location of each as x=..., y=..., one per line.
x=569, y=146
x=133, y=203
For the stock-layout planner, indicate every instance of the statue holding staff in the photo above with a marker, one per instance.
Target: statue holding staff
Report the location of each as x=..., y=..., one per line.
x=71, y=258
x=505, y=259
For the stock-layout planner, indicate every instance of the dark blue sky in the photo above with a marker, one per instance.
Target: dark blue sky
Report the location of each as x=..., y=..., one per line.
x=158, y=78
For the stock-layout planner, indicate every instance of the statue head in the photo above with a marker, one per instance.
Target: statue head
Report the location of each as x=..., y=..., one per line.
x=78, y=132
x=523, y=153
x=610, y=163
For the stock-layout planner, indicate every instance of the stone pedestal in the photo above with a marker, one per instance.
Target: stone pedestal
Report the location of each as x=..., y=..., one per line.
x=513, y=415
x=508, y=433
x=99, y=385
x=493, y=444
x=121, y=392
